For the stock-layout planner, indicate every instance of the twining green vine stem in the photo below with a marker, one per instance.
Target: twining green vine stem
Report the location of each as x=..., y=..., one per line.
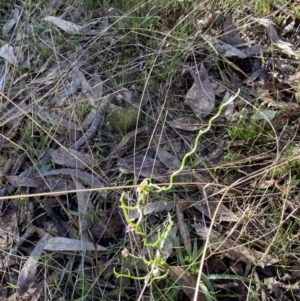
x=200, y=133
x=157, y=263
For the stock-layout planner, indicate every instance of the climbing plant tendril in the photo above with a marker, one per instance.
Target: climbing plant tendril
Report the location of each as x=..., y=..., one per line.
x=156, y=263
x=200, y=133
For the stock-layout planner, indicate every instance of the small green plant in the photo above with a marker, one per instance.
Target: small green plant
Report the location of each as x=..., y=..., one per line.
x=158, y=267
x=157, y=264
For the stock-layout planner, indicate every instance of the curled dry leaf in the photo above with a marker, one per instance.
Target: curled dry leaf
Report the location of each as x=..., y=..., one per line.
x=229, y=109
x=288, y=28
x=231, y=36
x=201, y=96
x=274, y=37
x=7, y=52
x=28, y=272
x=79, y=81
x=9, y=232
x=127, y=95
x=93, y=94
x=62, y=244
x=71, y=158
x=207, y=20
x=54, y=4
x=231, y=249
x=294, y=79
x=9, y=132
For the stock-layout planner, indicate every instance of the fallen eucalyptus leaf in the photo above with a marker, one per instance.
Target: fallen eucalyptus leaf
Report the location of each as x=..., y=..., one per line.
x=209, y=208
x=82, y=175
x=63, y=244
x=85, y=210
x=11, y=22
x=144, y=166
x=59, y=99
x=168, y=159
x=51, y=117
x=186, y=123
x=187, y=283
x=19, y=181
x=166, y=248
x=263, y=115
x=233, y=250
x=128, y=141
x=184, y=232
x=28, y=272
x=70, y=158
x=67, y=26
x=255, y=50
x=149, y=208
x=228, y=50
